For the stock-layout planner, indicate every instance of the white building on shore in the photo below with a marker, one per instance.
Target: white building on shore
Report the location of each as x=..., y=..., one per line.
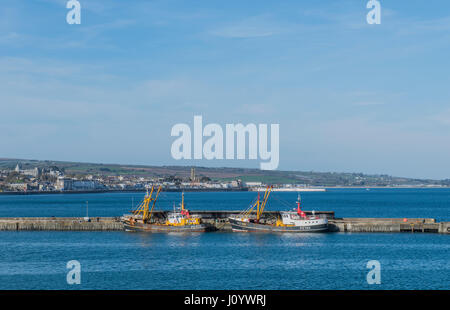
x=28, y=172
x=66, y=184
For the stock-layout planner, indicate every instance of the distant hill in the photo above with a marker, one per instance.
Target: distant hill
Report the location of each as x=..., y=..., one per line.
x=309, y=178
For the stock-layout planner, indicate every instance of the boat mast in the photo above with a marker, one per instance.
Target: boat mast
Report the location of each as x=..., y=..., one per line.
x=257, y=206
x=147, y=200
x=182, y=201
x=260, y=209
x=154, y=202
x=299, y=210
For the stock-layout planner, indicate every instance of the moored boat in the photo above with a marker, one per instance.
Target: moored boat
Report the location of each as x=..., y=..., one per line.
x=289, y=221
x=178, y=220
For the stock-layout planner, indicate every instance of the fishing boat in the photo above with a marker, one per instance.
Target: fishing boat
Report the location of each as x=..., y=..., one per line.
x=178, y=220
x=289, y=221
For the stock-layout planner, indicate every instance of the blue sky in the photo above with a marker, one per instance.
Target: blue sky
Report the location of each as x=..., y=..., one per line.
x=348, y=96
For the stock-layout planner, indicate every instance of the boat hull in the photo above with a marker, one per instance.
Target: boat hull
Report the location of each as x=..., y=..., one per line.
x=140, y=227
x=238, y=225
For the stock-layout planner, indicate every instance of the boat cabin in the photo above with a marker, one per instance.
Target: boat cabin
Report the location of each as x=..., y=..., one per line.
x=293, y=218
x=175, y=217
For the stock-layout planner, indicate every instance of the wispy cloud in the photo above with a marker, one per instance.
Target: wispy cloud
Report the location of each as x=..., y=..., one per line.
x=95, y=6
x=252, y=27
x=442, y=118
x=256, y=108
x=242, y=32
x=408, y=26
x=98, y=29
x=368, y=103
x=9, y=38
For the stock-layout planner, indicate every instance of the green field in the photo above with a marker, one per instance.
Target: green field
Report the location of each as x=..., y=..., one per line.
x=309, y=178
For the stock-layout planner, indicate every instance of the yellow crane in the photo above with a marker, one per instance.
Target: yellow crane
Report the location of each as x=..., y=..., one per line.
x=143, y=208
x=260, y=205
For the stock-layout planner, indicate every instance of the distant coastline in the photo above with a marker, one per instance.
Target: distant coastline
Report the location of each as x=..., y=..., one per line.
x=125, y=191
x=208, y=190
x=30, y=177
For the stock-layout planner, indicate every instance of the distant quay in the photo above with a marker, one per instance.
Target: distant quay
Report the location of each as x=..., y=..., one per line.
x=289, y=189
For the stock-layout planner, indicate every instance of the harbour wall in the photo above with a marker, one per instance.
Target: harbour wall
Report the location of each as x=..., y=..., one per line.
x=444, y=227
x=61, y=223
x=385, y=225
x=217, y=220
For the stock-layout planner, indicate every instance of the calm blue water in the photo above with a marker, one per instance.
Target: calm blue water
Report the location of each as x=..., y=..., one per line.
x=121, y=260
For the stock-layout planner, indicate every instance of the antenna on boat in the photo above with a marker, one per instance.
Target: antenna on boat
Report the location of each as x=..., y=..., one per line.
x=182, y=200
x=86, y=218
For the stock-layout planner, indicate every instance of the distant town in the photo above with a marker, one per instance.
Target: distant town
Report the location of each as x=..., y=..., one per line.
x=31, y=176
x=55, y=179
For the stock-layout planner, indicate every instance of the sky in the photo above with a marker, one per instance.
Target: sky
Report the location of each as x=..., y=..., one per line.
x=348, y=96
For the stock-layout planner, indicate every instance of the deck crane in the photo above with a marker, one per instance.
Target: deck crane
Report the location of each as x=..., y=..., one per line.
x=260, y=205
x=143, y=208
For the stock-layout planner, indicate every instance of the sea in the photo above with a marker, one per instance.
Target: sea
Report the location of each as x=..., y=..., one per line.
x=227, y=260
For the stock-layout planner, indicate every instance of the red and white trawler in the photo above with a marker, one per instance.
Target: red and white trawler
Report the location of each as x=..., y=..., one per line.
x=290, y=221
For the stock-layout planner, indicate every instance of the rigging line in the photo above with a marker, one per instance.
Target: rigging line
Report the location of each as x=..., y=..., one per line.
x=252, y=205
x=283, y=201
x=279, y=199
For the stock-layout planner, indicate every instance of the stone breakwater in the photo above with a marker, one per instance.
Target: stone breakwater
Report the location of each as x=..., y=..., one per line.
x=218, y=220
x=61, y=223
